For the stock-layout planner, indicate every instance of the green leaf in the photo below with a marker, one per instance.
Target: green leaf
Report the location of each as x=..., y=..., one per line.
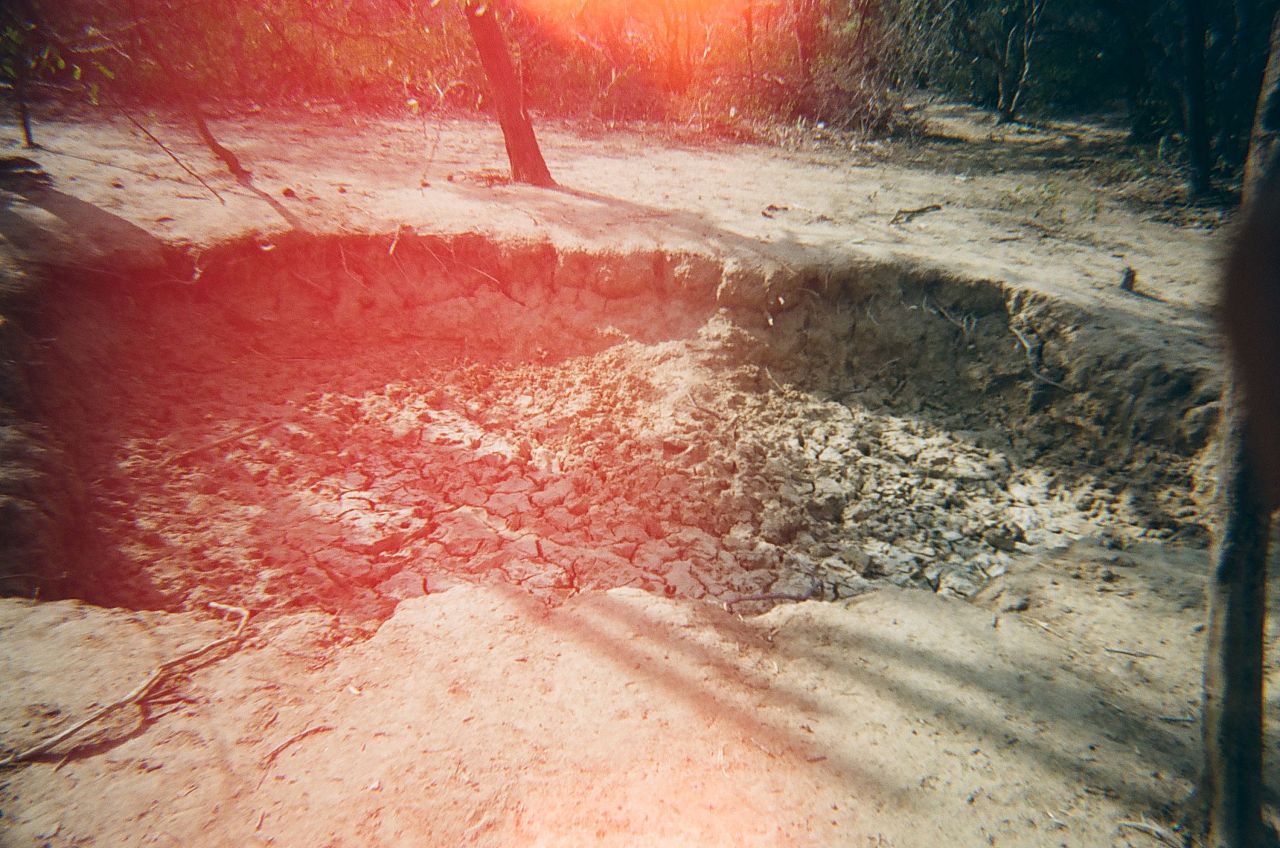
x=75, y=73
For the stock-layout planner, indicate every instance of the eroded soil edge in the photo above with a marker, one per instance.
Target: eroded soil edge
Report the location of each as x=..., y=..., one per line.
x=342, y=422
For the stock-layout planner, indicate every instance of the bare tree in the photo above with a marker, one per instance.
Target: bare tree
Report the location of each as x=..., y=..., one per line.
x=20, y=59
x=1002, y=37
x=189, y=104
x=806, y=19
x=527, y=164
x=1194, y=106
x=1016, y=67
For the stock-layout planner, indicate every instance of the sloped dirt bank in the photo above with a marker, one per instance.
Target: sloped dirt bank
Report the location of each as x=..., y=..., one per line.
x=341, y=422
x=944, y=424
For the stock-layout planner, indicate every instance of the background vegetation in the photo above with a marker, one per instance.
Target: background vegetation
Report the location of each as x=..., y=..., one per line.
x=1185, y=72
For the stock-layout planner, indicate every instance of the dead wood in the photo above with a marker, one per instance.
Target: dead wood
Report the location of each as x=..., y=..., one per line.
x=161, y=672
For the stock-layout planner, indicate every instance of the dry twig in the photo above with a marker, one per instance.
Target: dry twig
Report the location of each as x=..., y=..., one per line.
x=297, y=737
x=139, y=693
x=1046, y=628
x=904, y=216
x=776, y=384
x=169, y=153
x=1031, y=364
x=966, y=324
x=234, y=437
x=1127, y=653
x=1159, y=834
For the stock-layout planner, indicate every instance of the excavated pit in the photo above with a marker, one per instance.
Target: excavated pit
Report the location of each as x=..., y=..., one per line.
x=342, y=422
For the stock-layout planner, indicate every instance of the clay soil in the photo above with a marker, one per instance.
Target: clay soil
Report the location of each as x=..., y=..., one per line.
x=822, y=494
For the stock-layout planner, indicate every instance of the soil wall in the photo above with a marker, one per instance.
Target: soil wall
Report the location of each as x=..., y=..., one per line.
x=94, y=364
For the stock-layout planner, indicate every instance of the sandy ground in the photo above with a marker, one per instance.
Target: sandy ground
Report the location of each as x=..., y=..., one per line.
x=1018, y=204
x=1056, y=706
x=1053, y=711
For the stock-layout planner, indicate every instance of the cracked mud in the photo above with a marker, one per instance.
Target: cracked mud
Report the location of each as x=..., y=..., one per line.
x=346, y=442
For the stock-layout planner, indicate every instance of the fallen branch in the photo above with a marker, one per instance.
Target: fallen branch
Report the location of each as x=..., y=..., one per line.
x=1046, y=628
x=1159, y=834
x=183, y=165
x=139, y=693
x=1031, y=364
x=234, y=437
x=68, y=53
x=904, y=216
x=814, y=591
x=966, y=325
x=1139, y=654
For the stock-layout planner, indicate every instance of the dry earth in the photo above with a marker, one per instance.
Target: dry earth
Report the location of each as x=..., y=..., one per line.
x=495, y=467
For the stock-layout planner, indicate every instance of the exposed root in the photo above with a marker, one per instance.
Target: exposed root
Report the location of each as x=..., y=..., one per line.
x=138, y=694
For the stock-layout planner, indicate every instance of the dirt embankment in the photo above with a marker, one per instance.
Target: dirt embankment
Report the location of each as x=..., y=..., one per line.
x=342, y=422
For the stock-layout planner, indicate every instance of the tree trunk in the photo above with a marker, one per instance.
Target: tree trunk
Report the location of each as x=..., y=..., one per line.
x=1032, y=9
x=1232, y=721
x=805, y=22
x=20, y=94
x=1266, y=119
x=1194, y=119
x=20, y=19
x=1004, y=82
x=191, y=107
x=527, y=164
x=1250, y=491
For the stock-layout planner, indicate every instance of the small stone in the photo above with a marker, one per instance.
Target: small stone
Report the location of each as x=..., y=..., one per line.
x=1000, y=540
x=1019, y=602
x=1128, y=279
